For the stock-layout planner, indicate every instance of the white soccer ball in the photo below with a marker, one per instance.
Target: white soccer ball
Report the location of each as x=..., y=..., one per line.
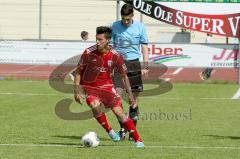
x=90, y=139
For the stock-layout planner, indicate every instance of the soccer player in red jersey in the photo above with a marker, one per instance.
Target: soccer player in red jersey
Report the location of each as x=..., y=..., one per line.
x=93, y=75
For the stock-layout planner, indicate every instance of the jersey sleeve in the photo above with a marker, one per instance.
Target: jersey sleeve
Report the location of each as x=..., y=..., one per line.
x=83, y=61
x=121, y=66
x=143, y=37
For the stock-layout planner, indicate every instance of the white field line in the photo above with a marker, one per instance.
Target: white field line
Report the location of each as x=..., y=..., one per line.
x=236, y=95
x=188, y=98
x=55, y=94
x=26, y=69
x=147, y=146
x=29, y=94
x=25, y=72
x=177, y=71
x=38, y=145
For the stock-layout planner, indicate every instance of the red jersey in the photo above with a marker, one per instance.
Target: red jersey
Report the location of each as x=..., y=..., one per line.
x=96, y=69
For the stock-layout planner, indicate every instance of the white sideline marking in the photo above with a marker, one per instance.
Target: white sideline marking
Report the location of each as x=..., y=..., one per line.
x=147, y=146
x=237, y=95
x=52, y=94
x=195, y=147
x=189, y=98
x=177, y=71
x=28, y=94
x=26, y=69
x=38, y=145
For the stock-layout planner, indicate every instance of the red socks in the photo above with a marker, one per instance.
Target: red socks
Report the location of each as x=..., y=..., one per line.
x=103, y=121
x=129, y=126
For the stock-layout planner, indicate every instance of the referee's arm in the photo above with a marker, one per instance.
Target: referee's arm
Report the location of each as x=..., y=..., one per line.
x=145, y=69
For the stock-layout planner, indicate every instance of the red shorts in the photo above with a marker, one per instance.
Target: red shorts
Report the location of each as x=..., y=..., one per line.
x=107, y=95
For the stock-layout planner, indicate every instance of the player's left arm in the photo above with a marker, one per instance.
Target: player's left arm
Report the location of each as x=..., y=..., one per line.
x=144, y=50
x=145, y=69
x=122, y=69
x=127, y=85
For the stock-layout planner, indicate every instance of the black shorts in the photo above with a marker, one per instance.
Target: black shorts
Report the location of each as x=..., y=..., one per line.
x=134, y=75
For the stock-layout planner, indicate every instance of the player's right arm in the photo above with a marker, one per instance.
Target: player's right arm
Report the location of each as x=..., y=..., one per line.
x=78, y=90
x=78, y=95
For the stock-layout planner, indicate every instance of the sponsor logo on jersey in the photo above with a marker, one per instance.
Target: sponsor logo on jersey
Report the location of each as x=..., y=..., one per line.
x=102, y=69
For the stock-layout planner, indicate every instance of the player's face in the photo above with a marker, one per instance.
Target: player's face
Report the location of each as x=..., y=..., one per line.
x=127, y=19
x=102, y=41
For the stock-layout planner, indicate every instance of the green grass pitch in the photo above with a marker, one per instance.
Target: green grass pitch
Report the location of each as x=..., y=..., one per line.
x=191, y=121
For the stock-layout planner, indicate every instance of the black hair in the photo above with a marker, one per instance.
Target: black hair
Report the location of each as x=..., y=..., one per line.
x=84, y=33
x=126, y=9
x=104, y=30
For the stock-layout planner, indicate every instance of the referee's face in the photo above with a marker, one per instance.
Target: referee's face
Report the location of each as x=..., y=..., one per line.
x=127, y=19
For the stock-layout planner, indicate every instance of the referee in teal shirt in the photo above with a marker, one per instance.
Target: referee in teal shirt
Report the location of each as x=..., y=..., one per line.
x=129, y=38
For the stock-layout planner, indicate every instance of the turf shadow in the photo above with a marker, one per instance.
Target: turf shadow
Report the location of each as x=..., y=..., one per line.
x=224, y=137
x=79, y=137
